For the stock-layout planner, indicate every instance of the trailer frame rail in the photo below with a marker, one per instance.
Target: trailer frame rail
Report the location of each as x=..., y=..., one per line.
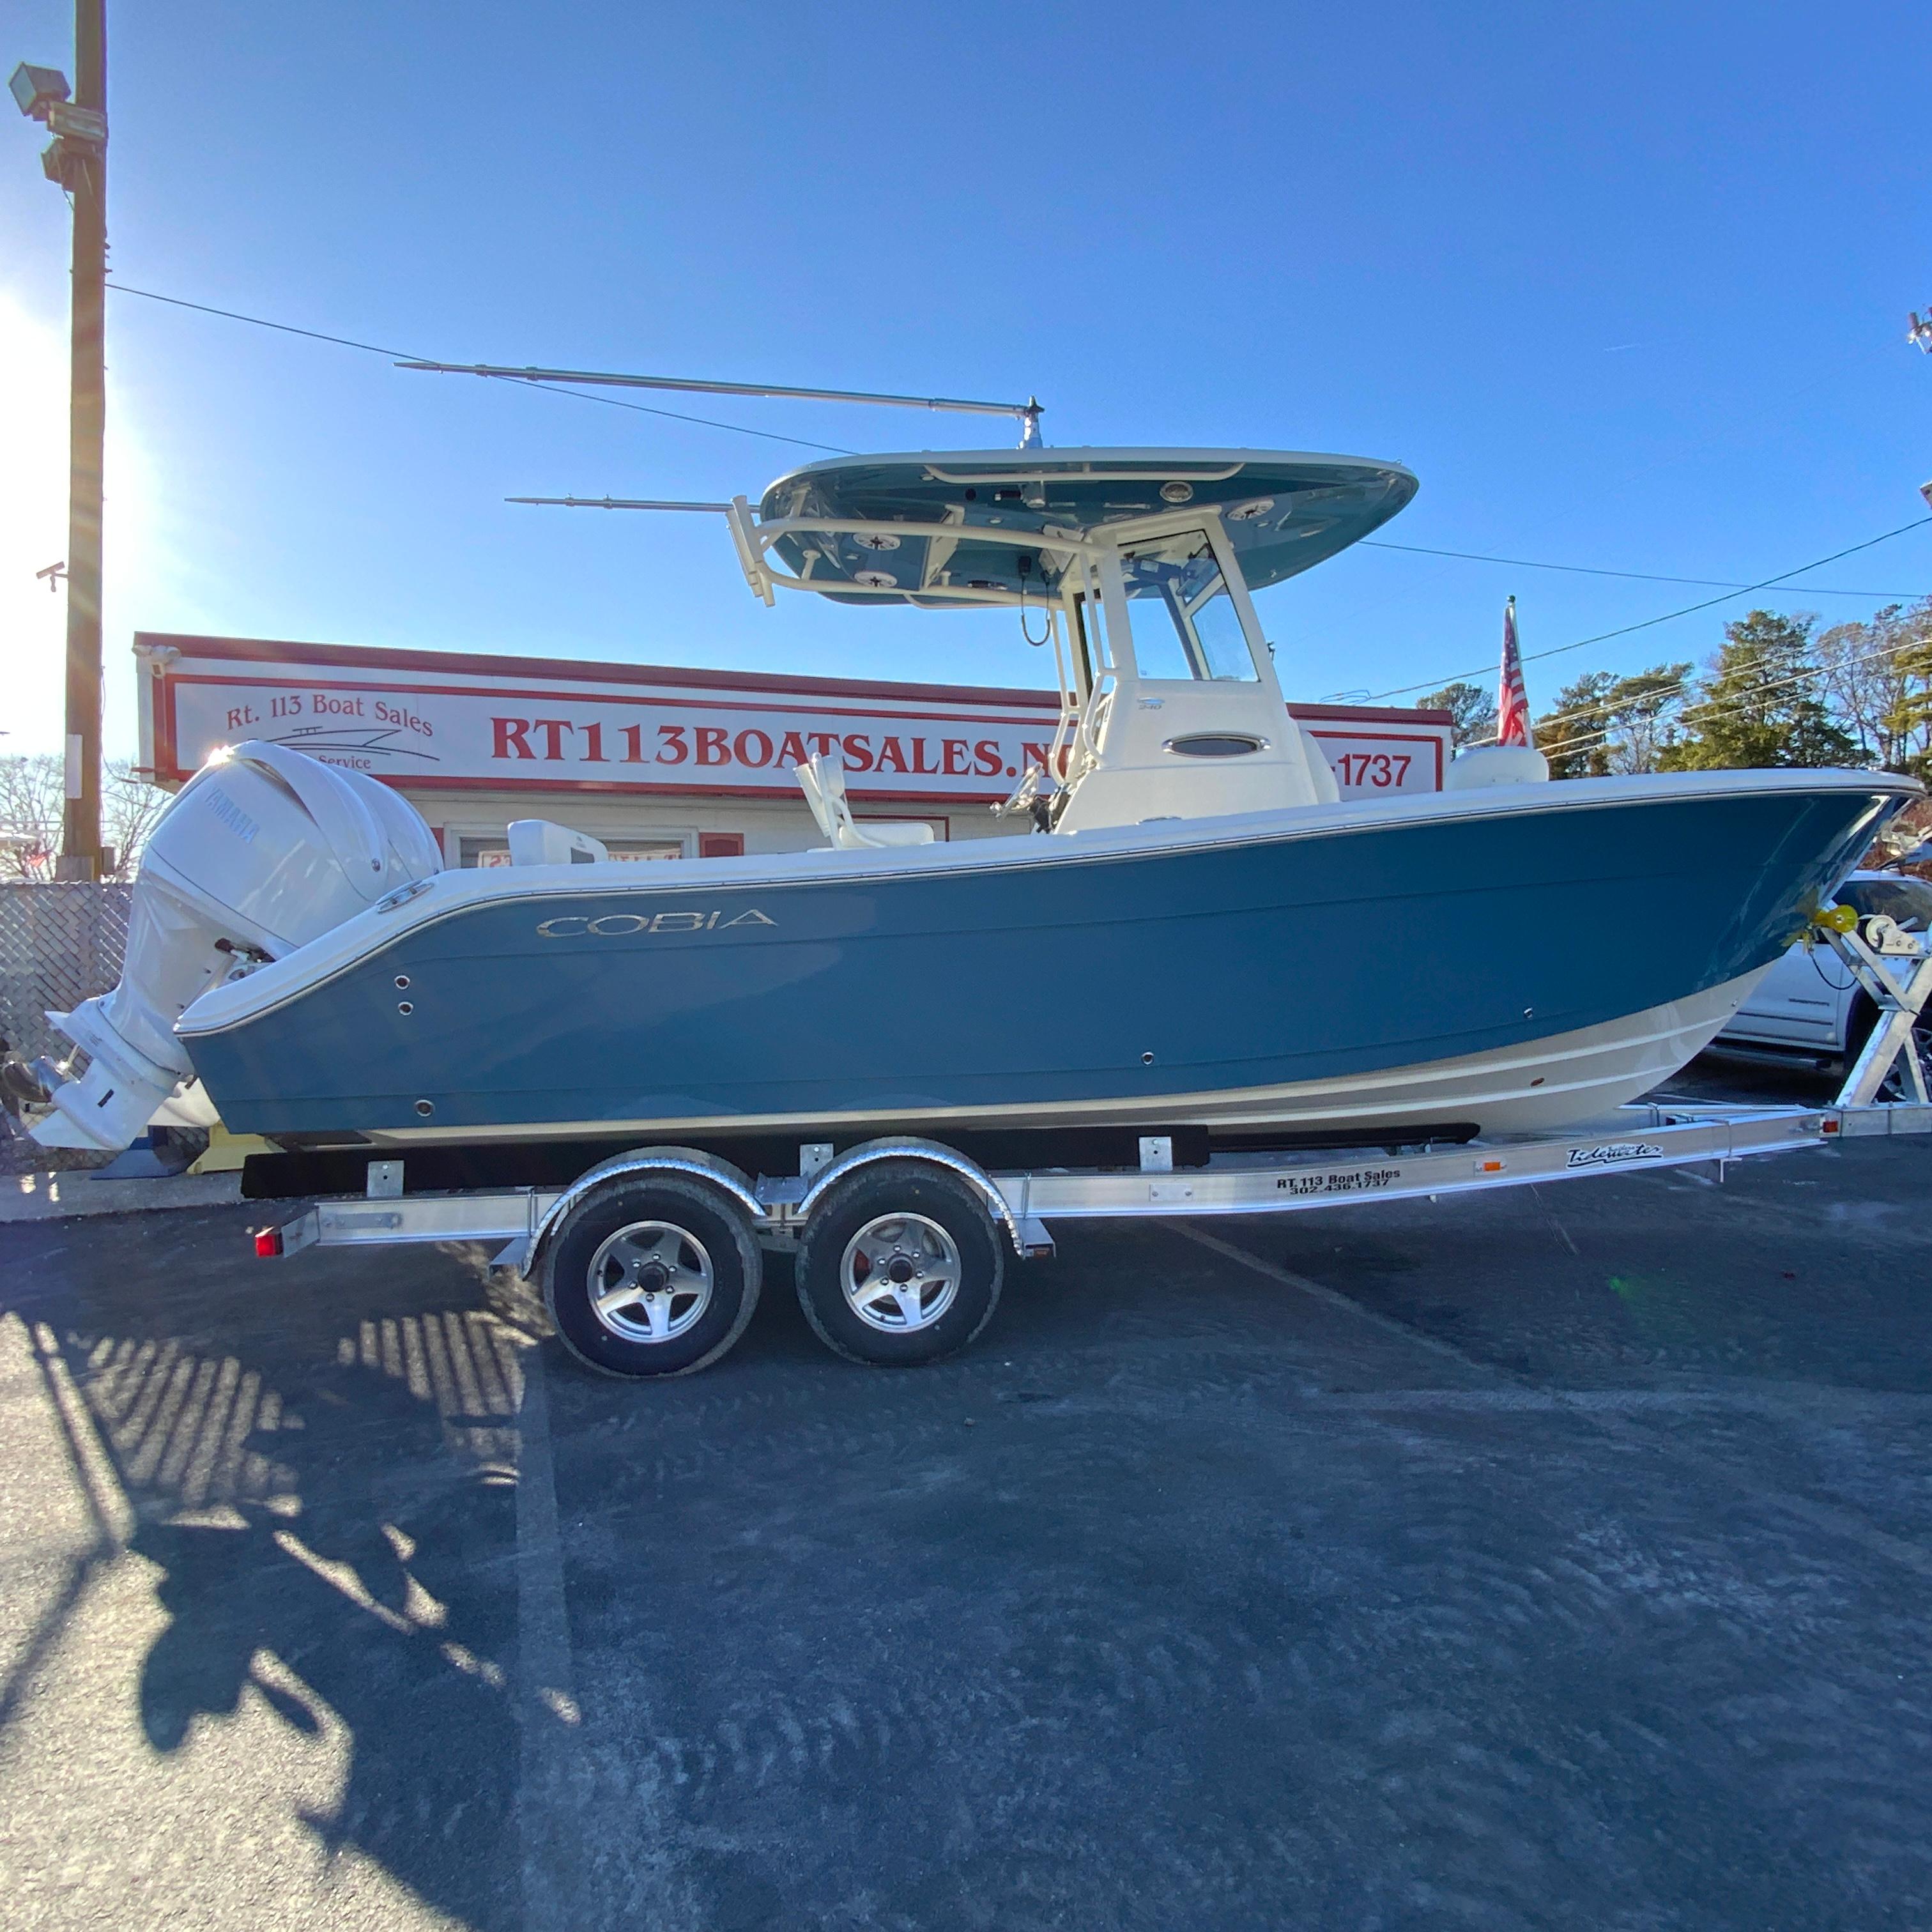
x=1636, y=1139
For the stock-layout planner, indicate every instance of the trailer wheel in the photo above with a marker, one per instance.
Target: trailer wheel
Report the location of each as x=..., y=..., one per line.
x=651, y=1277
x=900, y=1265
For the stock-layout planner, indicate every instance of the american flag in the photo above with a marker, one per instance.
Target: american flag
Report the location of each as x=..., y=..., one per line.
x=1512, y=700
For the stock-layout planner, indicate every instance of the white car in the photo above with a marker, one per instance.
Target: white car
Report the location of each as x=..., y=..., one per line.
x=1809, y=1002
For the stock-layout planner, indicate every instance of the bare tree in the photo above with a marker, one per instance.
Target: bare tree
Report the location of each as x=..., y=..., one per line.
x=32, y=799
x=129, y=808
x=1876, y=675
x=31, y=795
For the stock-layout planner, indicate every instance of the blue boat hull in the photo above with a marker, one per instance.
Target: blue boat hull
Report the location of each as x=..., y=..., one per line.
x=1042, y=983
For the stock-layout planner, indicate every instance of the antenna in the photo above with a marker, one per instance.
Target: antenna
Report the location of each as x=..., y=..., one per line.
x=1028, y=412
x=620, y=503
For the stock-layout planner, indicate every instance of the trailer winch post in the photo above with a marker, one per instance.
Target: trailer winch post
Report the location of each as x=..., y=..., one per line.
x=1901, y=1003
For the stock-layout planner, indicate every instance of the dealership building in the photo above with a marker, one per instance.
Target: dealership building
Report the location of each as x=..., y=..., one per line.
x=657, y=761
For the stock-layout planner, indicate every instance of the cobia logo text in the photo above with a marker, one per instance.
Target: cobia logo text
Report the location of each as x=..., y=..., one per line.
x=621, y=925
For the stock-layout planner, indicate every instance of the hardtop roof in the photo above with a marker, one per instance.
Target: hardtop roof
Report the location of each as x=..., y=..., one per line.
x=1285, y=511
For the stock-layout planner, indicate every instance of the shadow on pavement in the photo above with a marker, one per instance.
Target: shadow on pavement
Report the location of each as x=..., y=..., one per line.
x=327, y=1493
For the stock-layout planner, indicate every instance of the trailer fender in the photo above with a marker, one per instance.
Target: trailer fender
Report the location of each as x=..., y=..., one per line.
x=1028, y=1236
x=524, y=1253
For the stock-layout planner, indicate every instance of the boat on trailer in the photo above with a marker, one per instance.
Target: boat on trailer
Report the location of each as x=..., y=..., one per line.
x=1192, y=980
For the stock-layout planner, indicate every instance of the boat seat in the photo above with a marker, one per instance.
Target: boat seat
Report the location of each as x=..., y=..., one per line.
x=822, y=778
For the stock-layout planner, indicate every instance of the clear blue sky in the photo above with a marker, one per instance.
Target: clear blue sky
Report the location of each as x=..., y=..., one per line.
x=1626, y=285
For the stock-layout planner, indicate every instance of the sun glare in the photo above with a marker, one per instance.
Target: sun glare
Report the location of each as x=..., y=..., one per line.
x=33, y=535
x=33, y=530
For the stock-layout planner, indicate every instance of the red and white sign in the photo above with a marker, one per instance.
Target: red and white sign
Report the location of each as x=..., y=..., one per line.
x=1374, y=752
x=440, y=721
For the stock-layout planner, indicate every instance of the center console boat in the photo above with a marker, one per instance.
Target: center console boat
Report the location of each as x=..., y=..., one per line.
x=1186, y=928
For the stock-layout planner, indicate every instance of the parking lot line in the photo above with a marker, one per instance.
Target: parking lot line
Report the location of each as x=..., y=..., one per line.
x=1627, y=1433
x=1332, y=1297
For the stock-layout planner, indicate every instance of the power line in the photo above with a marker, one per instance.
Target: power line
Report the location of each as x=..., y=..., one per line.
x=1635, y=576
x=1689, y=609
x=1677, y=686
x=804, y=443
x=232, y=315
x=377, y=349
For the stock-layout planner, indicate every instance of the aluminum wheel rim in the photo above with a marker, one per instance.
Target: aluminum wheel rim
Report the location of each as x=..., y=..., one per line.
x=900, y=1274
x=650, y=1282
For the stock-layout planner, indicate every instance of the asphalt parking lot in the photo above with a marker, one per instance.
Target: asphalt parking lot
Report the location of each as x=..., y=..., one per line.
x=1543, y=1559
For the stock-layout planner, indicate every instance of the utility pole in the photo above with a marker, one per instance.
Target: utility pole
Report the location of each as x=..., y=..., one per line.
x=77, y=161
x=80, y=840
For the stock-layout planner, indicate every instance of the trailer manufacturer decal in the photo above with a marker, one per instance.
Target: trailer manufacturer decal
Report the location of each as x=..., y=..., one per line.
x=1608, y=1151
x=621, y=925
x=1357, y=1180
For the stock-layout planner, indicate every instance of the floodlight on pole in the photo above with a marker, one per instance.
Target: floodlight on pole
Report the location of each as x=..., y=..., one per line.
x=37, y=89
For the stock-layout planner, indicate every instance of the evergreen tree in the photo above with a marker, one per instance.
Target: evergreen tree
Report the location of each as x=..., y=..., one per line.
x=1603, y=724
x=1574, y=736
x=1909, y=719
x=1641, y=710
x=1472, y=712
x=1759, y=704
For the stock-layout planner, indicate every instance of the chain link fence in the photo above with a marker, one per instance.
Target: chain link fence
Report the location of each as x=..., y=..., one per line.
x=59, y=944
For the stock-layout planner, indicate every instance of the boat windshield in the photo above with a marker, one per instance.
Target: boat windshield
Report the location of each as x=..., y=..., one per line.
x=1185, y=623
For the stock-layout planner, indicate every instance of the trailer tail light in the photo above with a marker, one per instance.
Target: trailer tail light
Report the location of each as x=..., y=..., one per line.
x=268, y=1243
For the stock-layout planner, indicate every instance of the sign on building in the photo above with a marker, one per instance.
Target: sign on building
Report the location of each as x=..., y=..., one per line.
x=431, y=720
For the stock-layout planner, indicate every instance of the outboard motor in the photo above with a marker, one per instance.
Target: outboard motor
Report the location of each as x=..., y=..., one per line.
x=263, y=850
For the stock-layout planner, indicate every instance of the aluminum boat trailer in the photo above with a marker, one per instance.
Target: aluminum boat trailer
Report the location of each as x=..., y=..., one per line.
x=650, y=1261
x=898, y=1234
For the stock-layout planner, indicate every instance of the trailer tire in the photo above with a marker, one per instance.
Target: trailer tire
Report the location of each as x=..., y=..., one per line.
x=901, y=1264
x=650, y=1277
